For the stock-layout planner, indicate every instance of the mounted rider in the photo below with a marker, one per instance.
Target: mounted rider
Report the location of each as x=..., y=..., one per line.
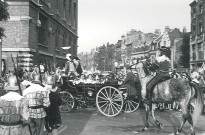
x=161, y=66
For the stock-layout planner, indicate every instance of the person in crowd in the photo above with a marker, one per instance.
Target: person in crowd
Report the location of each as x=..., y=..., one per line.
x=69, y=66
x=78, y=67
x=161, y=66
x=111, y=79
x=131, y=83
x=58, y=74
x=186, y=76
x=34, y=72
x=195, y=78
x=13, y=111
x=26, y=75
x=174, y=74
x=38, y=98
x=53, y=118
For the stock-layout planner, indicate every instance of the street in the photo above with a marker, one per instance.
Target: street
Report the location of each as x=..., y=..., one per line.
x=90, y=122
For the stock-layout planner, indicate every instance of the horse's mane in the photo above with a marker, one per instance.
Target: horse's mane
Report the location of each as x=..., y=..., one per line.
x=143, y=68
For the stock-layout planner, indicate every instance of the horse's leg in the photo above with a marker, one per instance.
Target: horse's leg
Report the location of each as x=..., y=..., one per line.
x=157, y=123
x=147, y=108
x=190, y=120
x=184, y=116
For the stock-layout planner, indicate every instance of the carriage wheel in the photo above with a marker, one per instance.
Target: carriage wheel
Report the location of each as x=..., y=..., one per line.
x=131, y=104
x=109, y=101
x=68, y=101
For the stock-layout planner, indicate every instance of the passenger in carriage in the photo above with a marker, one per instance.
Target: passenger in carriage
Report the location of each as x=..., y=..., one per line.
x=111, y=79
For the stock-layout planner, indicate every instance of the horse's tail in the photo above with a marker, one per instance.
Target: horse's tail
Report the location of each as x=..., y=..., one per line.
x=198, y=105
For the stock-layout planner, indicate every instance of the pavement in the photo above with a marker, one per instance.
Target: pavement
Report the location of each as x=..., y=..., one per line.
x=89, y=121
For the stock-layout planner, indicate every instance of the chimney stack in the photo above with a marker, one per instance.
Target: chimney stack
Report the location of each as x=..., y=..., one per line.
x=157, y=31
x=184, y=30
x=167, y=29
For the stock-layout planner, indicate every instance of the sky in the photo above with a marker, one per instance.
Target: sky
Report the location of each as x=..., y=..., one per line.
x=102, y=21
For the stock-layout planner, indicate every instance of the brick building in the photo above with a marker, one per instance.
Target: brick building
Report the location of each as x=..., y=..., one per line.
x=197, y=40
x=43, y=25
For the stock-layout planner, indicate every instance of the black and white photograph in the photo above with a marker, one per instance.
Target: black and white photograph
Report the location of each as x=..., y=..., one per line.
x=102, y=67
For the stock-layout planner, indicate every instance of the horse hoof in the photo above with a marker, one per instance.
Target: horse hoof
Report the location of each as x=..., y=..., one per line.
x=161, y=126
x=144, y=129
x=193, y=133
x=176, y=133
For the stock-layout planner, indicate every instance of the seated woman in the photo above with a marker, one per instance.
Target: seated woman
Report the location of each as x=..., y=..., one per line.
x=131, y=83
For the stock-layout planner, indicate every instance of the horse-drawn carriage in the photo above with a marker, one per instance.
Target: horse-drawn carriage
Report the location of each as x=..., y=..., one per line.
x=110, y=99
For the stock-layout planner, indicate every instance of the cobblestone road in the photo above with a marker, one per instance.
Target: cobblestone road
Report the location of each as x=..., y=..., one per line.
x=91, y=122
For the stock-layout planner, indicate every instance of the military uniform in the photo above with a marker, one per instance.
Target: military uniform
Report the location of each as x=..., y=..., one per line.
x=13, y=112
x=38, y=98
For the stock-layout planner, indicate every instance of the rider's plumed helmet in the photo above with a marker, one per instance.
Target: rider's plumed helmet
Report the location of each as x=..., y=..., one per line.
x=12, y=84
x=36, y=78
x=50, y=80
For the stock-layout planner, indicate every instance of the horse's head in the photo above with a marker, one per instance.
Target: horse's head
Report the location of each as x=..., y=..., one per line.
x=143, y=69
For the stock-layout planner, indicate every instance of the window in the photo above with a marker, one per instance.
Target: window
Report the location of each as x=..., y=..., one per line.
x=201, y=52
x=57, y=6
x=42, y=34
x=75, y=15
x=57, y=39
x=200, y=28
x=194, y=30
x=194, y=12
x=201, y=8
x=152, y=47
x=70, y=9
x=64, y=40
x=194, y=52
x=64, y=9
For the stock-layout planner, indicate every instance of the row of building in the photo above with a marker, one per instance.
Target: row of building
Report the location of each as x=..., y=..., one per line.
x=137, y=45
x=40, y=31
x=187, y=47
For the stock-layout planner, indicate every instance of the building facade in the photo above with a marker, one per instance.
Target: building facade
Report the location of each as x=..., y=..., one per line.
x=38, y=30
x=197, y=40
x=168, y=39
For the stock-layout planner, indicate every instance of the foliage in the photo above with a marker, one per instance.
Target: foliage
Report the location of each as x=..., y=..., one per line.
x=4, y=15
x=184, y=59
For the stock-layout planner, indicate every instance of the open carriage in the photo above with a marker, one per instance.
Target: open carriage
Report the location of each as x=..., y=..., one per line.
x=110, y=99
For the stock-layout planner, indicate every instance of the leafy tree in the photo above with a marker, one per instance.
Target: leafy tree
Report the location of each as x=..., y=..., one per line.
x=4, y=15
x=184, y=59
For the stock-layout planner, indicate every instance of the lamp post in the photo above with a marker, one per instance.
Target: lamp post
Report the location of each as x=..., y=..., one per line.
x=37, y=49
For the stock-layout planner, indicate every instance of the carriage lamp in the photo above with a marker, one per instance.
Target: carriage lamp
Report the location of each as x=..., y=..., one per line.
x=90, y=93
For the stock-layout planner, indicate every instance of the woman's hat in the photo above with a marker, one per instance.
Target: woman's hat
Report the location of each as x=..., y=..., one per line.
x=165, y=49
x=12, y=84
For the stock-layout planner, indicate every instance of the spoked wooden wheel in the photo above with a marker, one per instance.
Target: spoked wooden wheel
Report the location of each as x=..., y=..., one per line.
x=68, y=101
x=131, y=104
x=109, y=101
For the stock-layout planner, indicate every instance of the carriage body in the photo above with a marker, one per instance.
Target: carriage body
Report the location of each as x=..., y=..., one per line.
x=109, y=98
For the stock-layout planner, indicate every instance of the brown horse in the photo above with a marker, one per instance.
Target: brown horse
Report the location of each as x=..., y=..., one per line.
x=176, y=90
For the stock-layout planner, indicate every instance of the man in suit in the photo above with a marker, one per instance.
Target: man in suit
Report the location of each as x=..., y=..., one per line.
x=131, y=82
